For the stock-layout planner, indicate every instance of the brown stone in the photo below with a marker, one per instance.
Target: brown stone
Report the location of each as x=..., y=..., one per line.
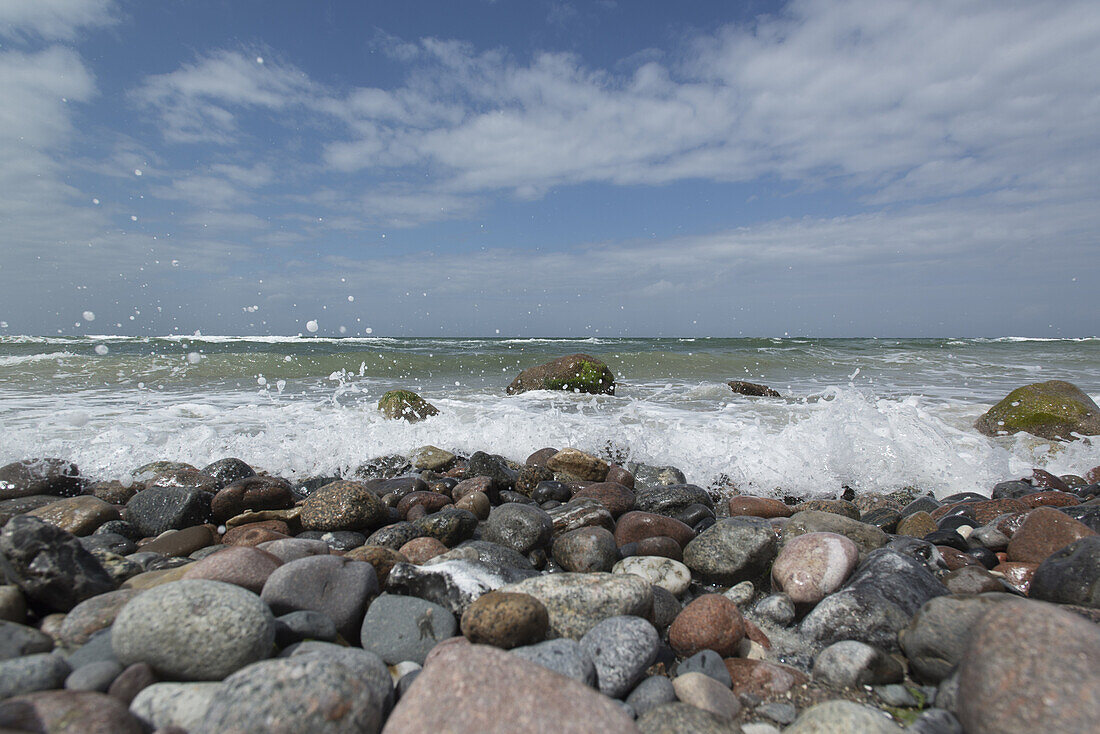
x=766, y=507
x=290, y=516
x=710, y=622
x=660, y=545
x=150, y=579
x=634, y=526
x=955, y=558
x=67, y=712
x=77, y=515
x=243, y=566
x=615, y=497
x=91, y=616
x=1045, y=531
x=1046, y=480
x=477, y=503
x=837, y=507
x=917, y=525
x=1092, y=476
x=752, y=389
x=985, y=511
x=1030, y=667
x=580, y=373
x=182, y=542
x=343, y=505
x=475, y=484
x=620, y=475
x=115, y=492
x=506, y=620
x=971, y=580
x=577, y=463
x=415, y=512
x=540, y=457
x=430, y=501
x=1009, y=524
x=251, y=493
x=132, y=681
x=762, y=679
x=757, y=635
x=1050, y=498
x=1017, y=575
x=256, y=533
x=383, y=559
x=419, y=550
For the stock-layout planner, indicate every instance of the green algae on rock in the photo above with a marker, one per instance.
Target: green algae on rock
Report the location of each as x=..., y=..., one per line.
x=406, y=404
x=1054, y=410
x=575, y=372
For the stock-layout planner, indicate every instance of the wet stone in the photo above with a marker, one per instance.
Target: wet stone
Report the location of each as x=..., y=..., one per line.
x=398, y=628
x=329, y=584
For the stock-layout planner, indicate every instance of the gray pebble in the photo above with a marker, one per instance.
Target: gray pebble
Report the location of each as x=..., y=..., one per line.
x=651, y=692
x=398, y=628
x=563, y=656
x=96, y=676
x=40, y=672
x=621, y=648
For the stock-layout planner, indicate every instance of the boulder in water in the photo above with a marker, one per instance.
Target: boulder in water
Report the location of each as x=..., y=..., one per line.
x=573, y=373
x=406, y=404
x=1054, y=410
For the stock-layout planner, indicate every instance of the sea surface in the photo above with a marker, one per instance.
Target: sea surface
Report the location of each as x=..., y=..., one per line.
x=871, y=414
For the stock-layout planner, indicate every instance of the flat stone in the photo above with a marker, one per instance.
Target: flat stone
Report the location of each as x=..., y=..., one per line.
x=776, y=609
x=732, y=550
x=765, y=507
x=268, y=696
x=38, y=477
x=578, y=464
x=1030, y=666
x=29, y=673
x=453, y=585
x=293, y=549
x=585, y=550
x=257, y=533
x=97, y=676
x=842, y=717
x=332, y=585
x=157, y=509
x=635, y=526
x=181, y=542
x=505, y=620
x=49, y=565
x=866, y=537
x=519, y=527
x=182, y=705
x=92, y=615
x=935, y=640
x=77, y=515
x=650, y=693
x=242, y=566
x=710, y=622
x=1045, y=531
x=476, y=689
x=251, y=493
x=343, y=505
x=917, y=525
x=676, y=717
x=621, y=648
x=398, y=628
x=705, y=693
x=67, y=712
x=851, y=664
x=670, y=575
x=615, y=497
x=194, y=630
x=577, y=602
x=1070, y=575
x=814, y=565
x=17, y=640
x=581, y=514
x=563, y=656
x=671, y=500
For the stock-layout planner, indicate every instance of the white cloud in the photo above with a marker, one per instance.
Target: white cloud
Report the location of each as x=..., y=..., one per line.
x=53, y=19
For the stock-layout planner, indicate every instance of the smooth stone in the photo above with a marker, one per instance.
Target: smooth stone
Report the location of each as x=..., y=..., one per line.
x=621, y=648
x=585, y=550
x=1045, y=531
x=971, y=580
x=505, y=620
x=294, y=549
x=97, y=649
x=268, y=696
x=450, y=526
x=398, y=628
x=705, y=693
x=563, y=656
x=242, y=566
x=814, y=565
x=29, y=477
x=635, y=526
x=550, y=489
x=883, y=518
x=17, y=640
x=228, y=470
x=851, y=664
x=477, y=503
x=842, y=717
x=1070, y=575
x=1030, y=666
x=304, y=625
x=108, y=542
x=332, y=585
x=677, y=717
x=194, y=630
x=257, y=533
x=131, y=681
x=883, y=594
x=655, y=476
x=615, y=497
x=778, y=609
x=866, y=537
x=500, y=473
x=765, y=507
x=519, y=527
x=762, y=679
x=421, y=550
x=710, y=622
x=670, y=575
x=13, y=607
x=161, y=705
x=49, y=565
x=67, y=712
x=576, y=602
x=732, y=550
x=936, y=638
x=93, y=615
x=251, y=493
x=579, y=464
x=477, y=689
x=158, y=509
x=581, y=514
x=650, y=693
x=432, y=458
x=496, y=556
x=671, y=500
x=368, y=666
x=77, y=515
x=453, y=585
x=741, y=594
x=29, y=673
x=916, y=525
x=343, y=505
x=97, y=676
x=181, y=542
x=835, y=507
x=707, y=662
x=430, y=501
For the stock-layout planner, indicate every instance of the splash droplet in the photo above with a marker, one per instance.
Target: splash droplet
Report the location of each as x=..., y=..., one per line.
x=311, y=326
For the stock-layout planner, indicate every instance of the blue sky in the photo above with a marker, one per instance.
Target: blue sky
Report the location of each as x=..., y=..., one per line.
x=852, y=167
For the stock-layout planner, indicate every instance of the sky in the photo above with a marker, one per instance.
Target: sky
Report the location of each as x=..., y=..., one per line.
x=550, y=168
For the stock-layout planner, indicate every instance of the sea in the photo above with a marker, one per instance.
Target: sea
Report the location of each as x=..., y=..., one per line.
x=871, y=414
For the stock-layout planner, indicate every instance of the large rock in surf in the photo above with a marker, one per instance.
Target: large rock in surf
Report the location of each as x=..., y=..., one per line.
x=407, y=405
x=752, y=389
x=574, y=373
x=1054, y=409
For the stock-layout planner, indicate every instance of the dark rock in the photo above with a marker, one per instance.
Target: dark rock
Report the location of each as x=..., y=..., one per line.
x=519, y=527
x=949, y=538
x=227, y=471
x=337, y=540
x=302, y=625
x=39, y=477
x=251, y=493
x=52, y=568
x=621, y=648
x=615, y=497
x=882, y=518
x=752, y=389
x=650, y=477
x=551, y=490
x=109, y=542
x=1070, y=575
x=1051, y=410
x=652, y=692
x=67, y=712
x=1014, y=490
x=399, y=628
x=383, y=467
x=574, y=373
x=450, y=526
x=157, y=509
x=497, y=468
x=671, y=500
x=406, y=405
x=131, y=681
x=707, y=662
x=580, y=514
x=17, y=640
x=585, y=550
x=332, y=585
x=531, y=477
x=395, y=535
x=936, y=637
x=733, y=550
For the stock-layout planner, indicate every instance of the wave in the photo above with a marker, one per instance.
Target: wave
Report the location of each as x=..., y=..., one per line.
x=11, y=360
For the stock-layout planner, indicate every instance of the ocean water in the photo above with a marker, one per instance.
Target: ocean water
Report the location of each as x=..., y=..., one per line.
x=871, y=414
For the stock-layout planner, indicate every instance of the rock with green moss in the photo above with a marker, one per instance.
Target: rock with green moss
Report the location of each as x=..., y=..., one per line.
x=406, y=404
x=1053, y=410
x=574, y=373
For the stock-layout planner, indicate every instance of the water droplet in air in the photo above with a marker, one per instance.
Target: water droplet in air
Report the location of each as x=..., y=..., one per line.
x=351, y=298
x=101, y=349
x=194, y=357
x=137, y=171
x=89, y=316
x=261, y=380
x=311, y=326
x=368, y=330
